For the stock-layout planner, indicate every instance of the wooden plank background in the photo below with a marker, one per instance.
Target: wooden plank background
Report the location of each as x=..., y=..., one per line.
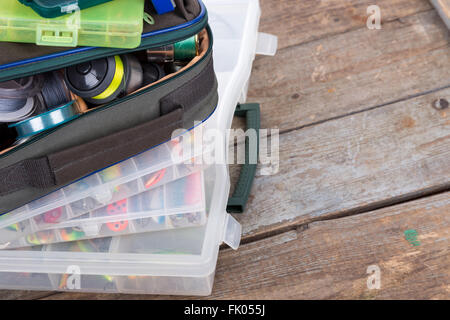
x=329, y=259
x=364, y=156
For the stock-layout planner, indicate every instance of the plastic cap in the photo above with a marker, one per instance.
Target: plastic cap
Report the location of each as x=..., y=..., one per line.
x=88, y=76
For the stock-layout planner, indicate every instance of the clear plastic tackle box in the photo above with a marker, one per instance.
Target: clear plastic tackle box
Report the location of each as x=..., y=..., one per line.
x=169, y=245
x=161, y=188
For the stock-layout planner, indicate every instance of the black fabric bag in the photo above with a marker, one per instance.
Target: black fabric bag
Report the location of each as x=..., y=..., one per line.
x=117, y=130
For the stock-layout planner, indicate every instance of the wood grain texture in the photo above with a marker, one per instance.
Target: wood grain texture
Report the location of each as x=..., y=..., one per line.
x=347, y=163
x=22, y=295
x=331, y=66
x=360, y=160
x=329, y=259
x=304, y=21
x=351, y=72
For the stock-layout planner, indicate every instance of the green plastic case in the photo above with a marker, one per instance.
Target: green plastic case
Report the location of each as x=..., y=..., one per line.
x=57, y=8
x=116, y=24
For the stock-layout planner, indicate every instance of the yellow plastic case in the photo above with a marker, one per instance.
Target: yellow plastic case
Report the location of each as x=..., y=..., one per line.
x=116, y=24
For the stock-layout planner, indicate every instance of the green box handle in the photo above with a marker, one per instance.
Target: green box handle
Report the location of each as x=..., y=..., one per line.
x=238, y=201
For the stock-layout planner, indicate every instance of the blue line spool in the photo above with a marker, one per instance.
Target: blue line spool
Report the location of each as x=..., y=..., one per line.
x=45, y=121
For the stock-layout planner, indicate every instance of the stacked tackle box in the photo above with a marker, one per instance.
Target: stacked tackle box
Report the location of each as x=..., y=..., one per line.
x=152, y=223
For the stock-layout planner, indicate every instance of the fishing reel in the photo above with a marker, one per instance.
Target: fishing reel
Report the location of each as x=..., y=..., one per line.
x=103, y=80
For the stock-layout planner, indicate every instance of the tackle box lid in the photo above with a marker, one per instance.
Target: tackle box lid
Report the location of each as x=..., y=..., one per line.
x=117, y=24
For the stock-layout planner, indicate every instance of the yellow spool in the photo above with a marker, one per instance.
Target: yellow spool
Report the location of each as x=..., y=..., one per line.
x=116, y=81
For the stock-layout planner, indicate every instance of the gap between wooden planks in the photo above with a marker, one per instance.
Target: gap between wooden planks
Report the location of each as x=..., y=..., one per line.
x=409, y=59
x=296, y=22
x=23, y=295
x=351, y=72
x=417, y=48
x=379, y=154
x=329, y=259
x=396, y=151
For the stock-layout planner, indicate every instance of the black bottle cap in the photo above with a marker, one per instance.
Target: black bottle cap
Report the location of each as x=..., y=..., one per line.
x=91, y=78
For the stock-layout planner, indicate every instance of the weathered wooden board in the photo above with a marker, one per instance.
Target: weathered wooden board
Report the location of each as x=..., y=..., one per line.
x=23, y=295
x=389, y=152
x=297, y=21
x=356, y=162
x=331, y=66
x=351, y=72
x=329, y=259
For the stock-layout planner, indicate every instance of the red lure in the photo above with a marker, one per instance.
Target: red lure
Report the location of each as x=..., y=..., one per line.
x=119, y=207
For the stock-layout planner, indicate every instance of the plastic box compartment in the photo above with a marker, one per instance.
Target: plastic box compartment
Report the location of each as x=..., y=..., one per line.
x=143, y=173
x=177, y=261
x=116, y=24
x=178, y=204
x=174, y=261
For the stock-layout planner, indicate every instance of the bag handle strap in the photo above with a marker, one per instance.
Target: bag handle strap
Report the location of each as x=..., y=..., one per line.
x=63, y=167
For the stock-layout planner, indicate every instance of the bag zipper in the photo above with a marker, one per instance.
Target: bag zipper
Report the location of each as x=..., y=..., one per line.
x=71, y=57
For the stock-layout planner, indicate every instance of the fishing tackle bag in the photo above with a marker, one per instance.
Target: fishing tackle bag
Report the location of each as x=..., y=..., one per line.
x=115, y=131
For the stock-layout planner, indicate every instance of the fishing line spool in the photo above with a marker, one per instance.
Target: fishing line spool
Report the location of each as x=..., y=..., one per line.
x=180, y=51
x=103, y=80
x=45, y=121
x=18, y=98
x=54, y=91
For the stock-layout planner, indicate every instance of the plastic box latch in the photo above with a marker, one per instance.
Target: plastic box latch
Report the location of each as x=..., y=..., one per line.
x=232, y=232
x=59, y=34
x=267, y=44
